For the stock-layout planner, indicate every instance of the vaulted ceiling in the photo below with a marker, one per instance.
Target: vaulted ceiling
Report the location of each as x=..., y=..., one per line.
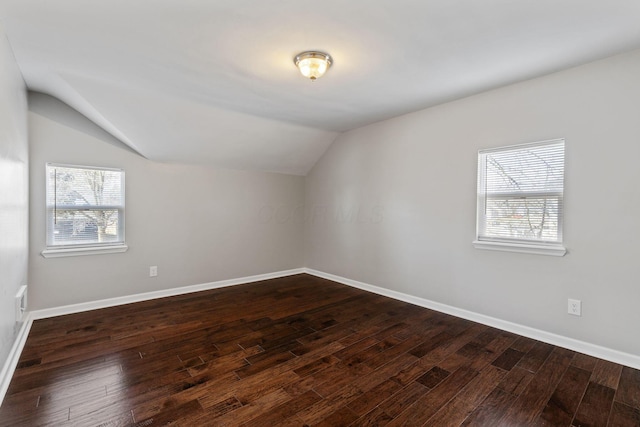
x=213, y=81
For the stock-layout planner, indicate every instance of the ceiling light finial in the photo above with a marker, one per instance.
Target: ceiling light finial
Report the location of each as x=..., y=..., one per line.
x=313, y=64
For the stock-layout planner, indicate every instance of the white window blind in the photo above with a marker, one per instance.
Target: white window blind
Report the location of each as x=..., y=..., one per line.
x=520, y=194
x=85, y=206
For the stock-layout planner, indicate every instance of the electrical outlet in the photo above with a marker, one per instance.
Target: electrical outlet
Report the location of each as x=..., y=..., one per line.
x=21, y=303
x=575, y=307
x=153, y=271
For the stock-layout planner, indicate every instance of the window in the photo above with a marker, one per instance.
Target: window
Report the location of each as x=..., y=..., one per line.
x=85, y=210
x=520, y=198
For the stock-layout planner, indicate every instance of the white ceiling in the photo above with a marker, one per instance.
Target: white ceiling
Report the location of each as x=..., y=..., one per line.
x=213, y=81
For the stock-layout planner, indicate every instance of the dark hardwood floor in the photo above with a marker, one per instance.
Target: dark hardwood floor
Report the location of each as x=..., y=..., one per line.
x=303, y=351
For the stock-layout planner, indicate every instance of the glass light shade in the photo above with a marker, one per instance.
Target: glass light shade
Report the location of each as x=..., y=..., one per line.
x=313, y=64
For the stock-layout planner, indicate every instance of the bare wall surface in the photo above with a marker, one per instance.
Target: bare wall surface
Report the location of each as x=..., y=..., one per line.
x=197, y=224
x=393, y=204
x=14, y=174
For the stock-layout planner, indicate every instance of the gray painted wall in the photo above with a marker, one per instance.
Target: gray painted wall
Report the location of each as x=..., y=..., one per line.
x=196, y=224
x=394, y=204
x=14, y=174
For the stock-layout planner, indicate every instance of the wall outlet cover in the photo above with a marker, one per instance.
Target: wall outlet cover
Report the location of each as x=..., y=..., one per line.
x=575, y=307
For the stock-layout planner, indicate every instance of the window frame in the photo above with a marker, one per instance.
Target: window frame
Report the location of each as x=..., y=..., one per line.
x=77, y=249
x=538, y=247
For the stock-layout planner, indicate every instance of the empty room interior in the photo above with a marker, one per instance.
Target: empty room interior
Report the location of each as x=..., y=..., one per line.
x=278, y=213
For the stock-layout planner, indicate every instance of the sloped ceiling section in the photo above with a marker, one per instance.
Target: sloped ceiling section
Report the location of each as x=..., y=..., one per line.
x=213, y=81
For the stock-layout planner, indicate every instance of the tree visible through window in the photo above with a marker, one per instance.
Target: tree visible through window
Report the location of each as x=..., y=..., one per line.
x=85, y=206
x=520, y=193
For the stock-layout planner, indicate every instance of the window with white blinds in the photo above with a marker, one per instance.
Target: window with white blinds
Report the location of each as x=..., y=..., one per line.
x=520, y=196
x=85, y=207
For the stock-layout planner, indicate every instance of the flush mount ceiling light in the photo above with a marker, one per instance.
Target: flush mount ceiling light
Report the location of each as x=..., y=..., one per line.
x=313, y=64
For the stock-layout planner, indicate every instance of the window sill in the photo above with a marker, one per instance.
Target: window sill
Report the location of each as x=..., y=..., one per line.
x=521, y=248
x=95, y=250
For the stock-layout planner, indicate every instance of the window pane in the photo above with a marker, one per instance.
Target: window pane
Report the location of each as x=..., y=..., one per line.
x=520, y=193
x=534, y=169
x=85, y=227
x=84, y=187
x=84, y=206
x=523, y=219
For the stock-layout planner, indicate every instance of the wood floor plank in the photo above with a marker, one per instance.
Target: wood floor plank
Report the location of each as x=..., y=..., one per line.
x=372, y=398
x=595, y=406
x=564, y=402
x=491, y=410
x=469, y=398
x=533, y=399
x=491, y=351
x=316, y=366
x=54, y=417
x=524, y=344
x=607, y=374
x=624, y=416
x=452, y=346
x=387, y=371
x=248, y=411
x=374, y=418
x=342, y=417
x=290, y=408
x=508, y=359
x=629, y=387
x=534, y=358
x=281, y=376
x=404, y=398
x=409, y=374
x=433, y=377
x=584, y=361
x=222, y=407
x=338, y=377
x=299, y=351
x=327, y=406
x=516, y=381
x=191, y=409
x=263, y=362
x=106, y=412
x=425, y=407
x=377, y=354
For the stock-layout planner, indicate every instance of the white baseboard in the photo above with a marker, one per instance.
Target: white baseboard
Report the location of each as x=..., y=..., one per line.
x=12, y=361
x=615, y=356
x=14, y=355
x=128, y=299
